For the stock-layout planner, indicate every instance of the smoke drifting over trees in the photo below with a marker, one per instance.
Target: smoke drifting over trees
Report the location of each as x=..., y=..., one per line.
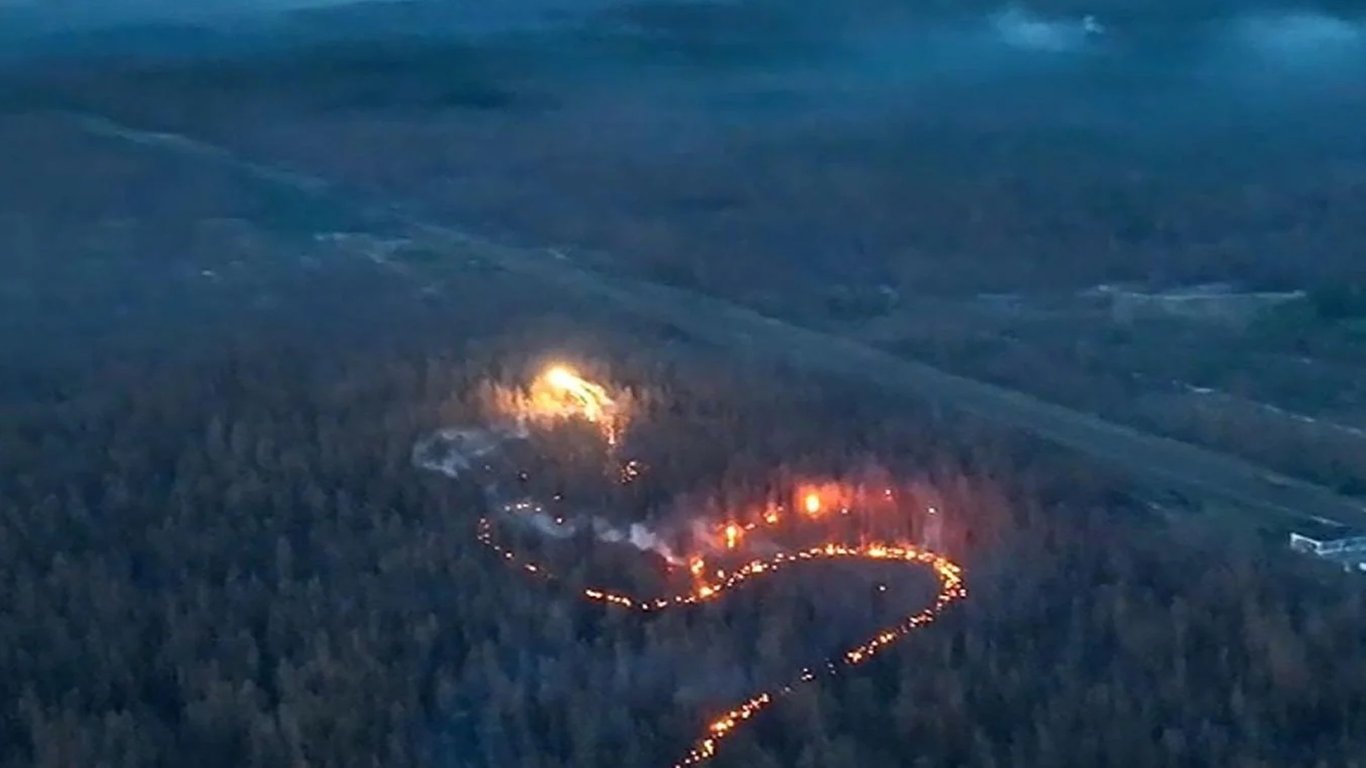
x=268, y=580
x=215, y=548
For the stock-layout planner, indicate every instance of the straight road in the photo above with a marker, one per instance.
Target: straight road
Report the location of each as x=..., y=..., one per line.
x=1157, y=460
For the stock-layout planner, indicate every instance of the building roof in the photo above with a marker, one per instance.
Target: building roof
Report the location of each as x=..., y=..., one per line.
x=1323, y=531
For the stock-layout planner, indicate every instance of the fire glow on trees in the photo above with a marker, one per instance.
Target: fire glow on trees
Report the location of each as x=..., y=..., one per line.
x=560, y=393
x=951, y=589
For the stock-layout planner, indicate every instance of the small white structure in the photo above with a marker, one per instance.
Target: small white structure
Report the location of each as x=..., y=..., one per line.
x=1340, y=545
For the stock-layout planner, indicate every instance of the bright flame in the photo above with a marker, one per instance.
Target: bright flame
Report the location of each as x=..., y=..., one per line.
x=562, y=378
x=561, y=393
x=812, y=503
x=732, y=534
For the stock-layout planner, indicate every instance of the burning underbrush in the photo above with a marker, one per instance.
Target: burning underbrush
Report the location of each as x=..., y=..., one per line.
x=573, y=497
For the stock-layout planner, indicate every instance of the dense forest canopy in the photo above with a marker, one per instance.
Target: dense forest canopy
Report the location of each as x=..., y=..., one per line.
x=717, y=143
x=268, y=581
x=217, y=547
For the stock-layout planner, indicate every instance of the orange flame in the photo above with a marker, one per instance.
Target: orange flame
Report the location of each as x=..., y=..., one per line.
x=561, y=393
x=812, y=503
x=951, y=590
x=732, y=534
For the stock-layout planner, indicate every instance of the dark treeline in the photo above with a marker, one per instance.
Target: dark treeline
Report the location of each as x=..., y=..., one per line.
x=1039, y=190
x=232, y=562
x=704, y=143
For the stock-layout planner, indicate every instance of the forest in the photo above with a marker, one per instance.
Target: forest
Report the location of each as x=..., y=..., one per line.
x=219, y=547
x=233, y=562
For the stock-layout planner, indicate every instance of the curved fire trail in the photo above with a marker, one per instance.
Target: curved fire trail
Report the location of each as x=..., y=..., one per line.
x=560, y=393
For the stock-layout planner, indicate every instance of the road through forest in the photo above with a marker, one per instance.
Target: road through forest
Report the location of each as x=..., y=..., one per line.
x=1158, y=461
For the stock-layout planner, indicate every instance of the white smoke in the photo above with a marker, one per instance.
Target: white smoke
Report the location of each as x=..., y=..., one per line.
x=1318, y=49
x=1021, y=29
x=1300, y=38
x=533, y=514
x=455, y=450
x=702, y=536
x=459, y=452
x=640, y=537
x=1290, y=53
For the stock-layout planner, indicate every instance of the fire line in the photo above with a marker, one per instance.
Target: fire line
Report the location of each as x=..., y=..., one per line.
x=561, y=393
